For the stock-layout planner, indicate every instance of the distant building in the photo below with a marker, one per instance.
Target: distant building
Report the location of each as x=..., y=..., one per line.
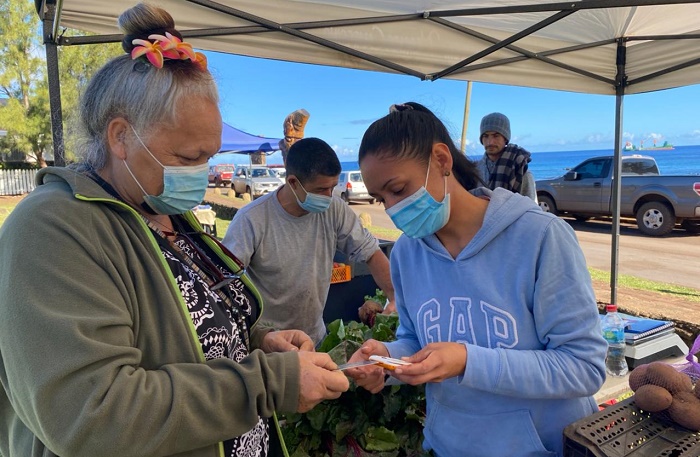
x=14, y=158
x=3, y=133
x=6, y=154
x=18, y=159
x=3, y=102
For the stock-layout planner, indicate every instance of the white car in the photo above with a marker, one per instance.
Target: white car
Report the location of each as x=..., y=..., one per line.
x=280, y=172
x=351, y=187
x=256, y=180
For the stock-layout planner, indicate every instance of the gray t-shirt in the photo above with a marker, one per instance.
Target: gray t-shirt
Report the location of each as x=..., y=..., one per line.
x=290, y=258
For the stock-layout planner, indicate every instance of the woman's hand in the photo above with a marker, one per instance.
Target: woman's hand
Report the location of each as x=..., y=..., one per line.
x=390, y=307
x=434, y=363
x=370, y=377
x=319, y=381
x=287, y=340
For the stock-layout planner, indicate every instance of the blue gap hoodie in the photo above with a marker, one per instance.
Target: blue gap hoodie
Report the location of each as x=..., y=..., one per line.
x=519, y=297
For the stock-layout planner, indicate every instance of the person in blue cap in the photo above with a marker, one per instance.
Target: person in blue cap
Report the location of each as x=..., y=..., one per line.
x=504, y=164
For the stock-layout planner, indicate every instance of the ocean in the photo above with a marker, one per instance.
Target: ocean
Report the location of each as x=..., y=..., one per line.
x=683, y=160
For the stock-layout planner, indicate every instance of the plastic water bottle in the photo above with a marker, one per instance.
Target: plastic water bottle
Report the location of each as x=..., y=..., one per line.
x=614, y=334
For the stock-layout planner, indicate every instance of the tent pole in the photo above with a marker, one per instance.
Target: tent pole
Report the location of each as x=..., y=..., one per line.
x=620, y=83
x=54, y=85
x=467, y=103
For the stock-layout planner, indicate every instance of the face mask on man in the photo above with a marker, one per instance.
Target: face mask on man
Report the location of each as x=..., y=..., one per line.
x=183, y=187
x=313, y=203
x=420, y=215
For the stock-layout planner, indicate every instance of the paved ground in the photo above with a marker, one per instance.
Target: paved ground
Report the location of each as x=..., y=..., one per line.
x=674, y=259
x=595, y=242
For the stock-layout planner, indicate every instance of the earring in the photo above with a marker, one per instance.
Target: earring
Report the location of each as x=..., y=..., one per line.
x=447, y=173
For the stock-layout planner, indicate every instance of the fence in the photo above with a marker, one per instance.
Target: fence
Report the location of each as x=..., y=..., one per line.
x=16, y=182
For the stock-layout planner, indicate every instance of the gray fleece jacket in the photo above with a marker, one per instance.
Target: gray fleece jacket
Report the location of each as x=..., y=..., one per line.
x=98, y=355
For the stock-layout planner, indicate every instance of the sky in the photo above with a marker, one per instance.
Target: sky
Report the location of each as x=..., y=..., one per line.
x=257, y=94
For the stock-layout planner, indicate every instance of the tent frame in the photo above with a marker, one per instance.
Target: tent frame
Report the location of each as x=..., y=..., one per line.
x=50, y=13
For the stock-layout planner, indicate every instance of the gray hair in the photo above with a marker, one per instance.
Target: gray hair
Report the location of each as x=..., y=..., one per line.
x=137, y=91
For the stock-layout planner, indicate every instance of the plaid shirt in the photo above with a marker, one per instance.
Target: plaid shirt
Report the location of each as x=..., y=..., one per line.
x=509, y=169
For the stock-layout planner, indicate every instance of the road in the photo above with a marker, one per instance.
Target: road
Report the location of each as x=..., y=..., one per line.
x=673, y=259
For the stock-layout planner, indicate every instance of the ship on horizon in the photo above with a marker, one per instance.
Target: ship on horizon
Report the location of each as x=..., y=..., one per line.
x=664, y=147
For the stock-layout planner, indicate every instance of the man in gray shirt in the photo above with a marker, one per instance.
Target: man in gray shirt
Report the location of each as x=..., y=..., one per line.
x=287, y=240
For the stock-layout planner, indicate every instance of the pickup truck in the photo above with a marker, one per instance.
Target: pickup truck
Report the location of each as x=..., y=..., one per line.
x=256, y=180
x=220, y=174
x=656, y=201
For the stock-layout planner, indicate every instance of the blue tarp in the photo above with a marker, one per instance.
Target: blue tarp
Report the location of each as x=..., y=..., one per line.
x=234, y=140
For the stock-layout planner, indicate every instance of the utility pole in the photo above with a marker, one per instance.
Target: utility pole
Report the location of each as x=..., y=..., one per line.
x=467, y=101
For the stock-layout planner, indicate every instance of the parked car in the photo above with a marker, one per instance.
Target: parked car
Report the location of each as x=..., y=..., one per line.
x=351, y=187
x=279, y=171
x=220, y=175
x=256, y=180
x=658, y=202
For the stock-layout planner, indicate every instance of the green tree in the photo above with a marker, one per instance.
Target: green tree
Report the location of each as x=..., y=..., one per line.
x=26, y=116
x=22, y=80
x=76, y=65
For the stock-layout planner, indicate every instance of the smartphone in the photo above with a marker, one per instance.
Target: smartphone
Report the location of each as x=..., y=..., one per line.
x=388, y=362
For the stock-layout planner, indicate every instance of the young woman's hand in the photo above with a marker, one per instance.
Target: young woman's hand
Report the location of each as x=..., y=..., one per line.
x=320, y=380
x=390, y=307
x=287, y=340
x=370, y=377
x=434, y=363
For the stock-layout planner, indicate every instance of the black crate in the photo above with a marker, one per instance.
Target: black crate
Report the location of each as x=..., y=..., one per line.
x=623, y=430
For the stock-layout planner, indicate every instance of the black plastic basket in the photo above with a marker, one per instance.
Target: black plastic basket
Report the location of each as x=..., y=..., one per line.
x=623, y=430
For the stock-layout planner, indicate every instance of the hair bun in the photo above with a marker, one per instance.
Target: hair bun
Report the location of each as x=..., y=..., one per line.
x=398, y=107
x=127, y=41
x=143, y=20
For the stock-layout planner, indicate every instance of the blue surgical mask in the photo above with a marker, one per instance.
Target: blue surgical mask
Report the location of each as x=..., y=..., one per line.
x=420, y=215
x=183, y=187
x=313, y=203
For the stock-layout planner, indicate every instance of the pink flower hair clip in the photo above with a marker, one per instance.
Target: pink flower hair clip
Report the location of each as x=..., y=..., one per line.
x=166, y=47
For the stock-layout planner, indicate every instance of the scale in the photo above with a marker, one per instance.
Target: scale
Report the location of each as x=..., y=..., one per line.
x=661, y=347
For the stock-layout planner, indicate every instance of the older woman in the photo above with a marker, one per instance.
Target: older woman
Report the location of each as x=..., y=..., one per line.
x=125, y=330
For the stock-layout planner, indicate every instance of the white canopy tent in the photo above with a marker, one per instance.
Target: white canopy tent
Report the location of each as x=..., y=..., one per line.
x=568, y=46
x=614, y=47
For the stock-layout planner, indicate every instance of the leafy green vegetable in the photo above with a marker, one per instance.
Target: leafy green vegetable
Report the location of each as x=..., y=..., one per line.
x=380, y=297
x=360, y=424
x=380, y=439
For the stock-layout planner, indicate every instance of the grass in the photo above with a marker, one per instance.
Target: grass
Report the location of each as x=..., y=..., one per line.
x=6, y=207
x=385, y=233
x=632, y=282
x=379, y=232
x=221, y=227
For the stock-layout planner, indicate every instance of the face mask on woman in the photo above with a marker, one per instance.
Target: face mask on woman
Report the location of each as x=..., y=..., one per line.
x=313, y=203
x=183, y=187
x=420, y=215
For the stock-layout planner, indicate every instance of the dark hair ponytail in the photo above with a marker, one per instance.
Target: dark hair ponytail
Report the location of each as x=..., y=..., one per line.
x=409, y=131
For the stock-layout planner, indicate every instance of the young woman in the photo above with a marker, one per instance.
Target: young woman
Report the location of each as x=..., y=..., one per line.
x=497, y=313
